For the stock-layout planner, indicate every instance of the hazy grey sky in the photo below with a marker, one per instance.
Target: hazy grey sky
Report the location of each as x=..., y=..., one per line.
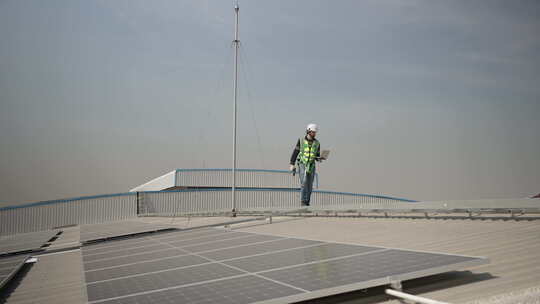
x=427, y=100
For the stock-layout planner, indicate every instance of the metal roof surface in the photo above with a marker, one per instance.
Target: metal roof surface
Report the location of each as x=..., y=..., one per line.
x=512, y=246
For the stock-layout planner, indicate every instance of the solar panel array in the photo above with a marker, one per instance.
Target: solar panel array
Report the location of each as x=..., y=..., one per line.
x=16, y=249
x=223, y=266
x=25, y=241
x=9, y=265
x=118, y=229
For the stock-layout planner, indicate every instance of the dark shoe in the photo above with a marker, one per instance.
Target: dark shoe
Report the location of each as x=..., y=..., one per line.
x=305, y=204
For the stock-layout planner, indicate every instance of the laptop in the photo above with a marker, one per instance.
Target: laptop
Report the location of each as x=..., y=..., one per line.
x=325, y=153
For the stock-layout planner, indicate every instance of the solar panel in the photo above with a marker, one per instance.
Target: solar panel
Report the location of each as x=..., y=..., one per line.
x=156, y=280
x=133, y=269
x=199, y=240
x=190, y=234
x=12, y=248
x=9, y=265
x=246, y=289
x=133, y=258
x=119, y=252
x=297, y=256
x=250, y=239
x=259, y=248
x=23, y=242
x=222, y=266
x=378, y=264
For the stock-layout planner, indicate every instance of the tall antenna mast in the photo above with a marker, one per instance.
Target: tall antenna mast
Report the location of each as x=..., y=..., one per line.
x=236, y=43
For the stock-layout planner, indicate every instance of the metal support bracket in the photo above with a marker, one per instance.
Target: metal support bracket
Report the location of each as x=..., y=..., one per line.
x=396, y=285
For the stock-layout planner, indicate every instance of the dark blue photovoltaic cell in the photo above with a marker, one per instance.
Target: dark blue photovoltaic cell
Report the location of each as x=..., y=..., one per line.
x=143, y=267
x=135, y=284
x=207, y=239
x=253, y=249
x=360, y=268
x=134, y=258
x=246, y=289
x=123, y=252
x=250, y=239
x=297, y=256
x=190, y=234
x=117, y=244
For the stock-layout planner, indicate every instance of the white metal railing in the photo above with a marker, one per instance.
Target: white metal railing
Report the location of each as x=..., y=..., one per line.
x=83, y=210
x=260, y=199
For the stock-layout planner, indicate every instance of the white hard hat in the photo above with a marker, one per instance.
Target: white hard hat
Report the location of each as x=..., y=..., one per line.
x=312, y=127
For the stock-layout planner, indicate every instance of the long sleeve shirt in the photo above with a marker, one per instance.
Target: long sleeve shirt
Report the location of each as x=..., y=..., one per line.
x=297, y=150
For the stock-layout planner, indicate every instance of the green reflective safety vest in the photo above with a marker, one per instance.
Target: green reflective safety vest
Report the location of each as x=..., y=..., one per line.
x=308, y=153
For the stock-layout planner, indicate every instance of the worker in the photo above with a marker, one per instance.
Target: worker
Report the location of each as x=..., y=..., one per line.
x=305, y=153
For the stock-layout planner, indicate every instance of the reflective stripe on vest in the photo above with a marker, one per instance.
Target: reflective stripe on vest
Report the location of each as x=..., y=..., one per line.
x=308, y=153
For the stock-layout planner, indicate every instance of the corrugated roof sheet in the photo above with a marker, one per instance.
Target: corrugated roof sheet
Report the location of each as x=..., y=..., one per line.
x=512, y=246
x=55, y=278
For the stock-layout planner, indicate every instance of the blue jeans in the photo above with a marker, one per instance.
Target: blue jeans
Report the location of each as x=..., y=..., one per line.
x=306, y=183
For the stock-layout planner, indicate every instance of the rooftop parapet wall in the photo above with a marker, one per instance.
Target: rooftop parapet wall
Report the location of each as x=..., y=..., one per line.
x=64, y=212
x=96, y=209
x=193, y=201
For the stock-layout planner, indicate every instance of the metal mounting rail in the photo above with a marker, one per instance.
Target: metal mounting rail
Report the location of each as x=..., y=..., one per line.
x=476, y=213
x=415, y=299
